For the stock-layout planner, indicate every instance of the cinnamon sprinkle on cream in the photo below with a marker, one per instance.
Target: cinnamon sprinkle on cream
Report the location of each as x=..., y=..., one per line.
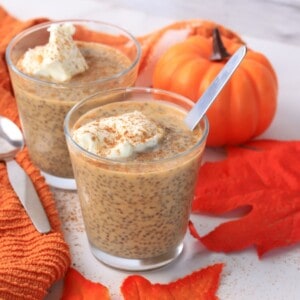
x=119, y=136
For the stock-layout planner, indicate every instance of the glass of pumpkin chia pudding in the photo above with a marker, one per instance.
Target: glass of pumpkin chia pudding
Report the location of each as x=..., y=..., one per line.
x=136, y=164
x=54, y=65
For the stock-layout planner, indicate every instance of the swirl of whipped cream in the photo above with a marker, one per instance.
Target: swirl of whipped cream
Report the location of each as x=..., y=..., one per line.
x=120, y=136
x=60, y=59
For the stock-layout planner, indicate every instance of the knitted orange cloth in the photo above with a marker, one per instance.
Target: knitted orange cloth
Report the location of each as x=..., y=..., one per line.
x=30, y=262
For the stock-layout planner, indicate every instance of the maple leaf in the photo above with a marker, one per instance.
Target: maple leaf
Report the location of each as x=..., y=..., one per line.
x=264, y=175
x=200, y=285
x=77, y=287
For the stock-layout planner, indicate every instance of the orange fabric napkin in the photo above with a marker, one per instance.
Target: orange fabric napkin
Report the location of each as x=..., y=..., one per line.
x=30, y=262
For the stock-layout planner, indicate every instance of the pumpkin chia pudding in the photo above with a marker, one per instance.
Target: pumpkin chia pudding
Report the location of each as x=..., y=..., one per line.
x=135, y=164
x=50, y=72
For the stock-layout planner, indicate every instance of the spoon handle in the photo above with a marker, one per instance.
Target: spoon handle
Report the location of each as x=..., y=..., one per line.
x=202, y=105
x=28, y=196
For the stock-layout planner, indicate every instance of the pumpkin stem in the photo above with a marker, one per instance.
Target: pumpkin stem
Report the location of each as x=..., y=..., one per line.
x=219, y=50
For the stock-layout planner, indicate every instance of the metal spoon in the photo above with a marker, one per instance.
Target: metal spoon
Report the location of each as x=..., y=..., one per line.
x=11, y=142
x=204, y=102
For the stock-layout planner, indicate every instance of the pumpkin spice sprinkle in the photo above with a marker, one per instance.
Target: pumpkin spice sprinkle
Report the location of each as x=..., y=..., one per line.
x=60, y=59
x=119, y=136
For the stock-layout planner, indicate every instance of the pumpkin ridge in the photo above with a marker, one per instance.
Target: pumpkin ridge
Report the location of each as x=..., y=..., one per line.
x=168, y=71
x=265, y=110
x=243, y=116
x=264, y=61
x=189, y=74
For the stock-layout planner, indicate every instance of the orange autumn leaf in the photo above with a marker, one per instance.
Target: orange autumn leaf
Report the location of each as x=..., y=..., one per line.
x=262, y=175
x=200, y=285
x=77, y=287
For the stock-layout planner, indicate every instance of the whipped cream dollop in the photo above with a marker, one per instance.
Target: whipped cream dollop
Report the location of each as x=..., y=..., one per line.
x=119, y=136
x=60, y=59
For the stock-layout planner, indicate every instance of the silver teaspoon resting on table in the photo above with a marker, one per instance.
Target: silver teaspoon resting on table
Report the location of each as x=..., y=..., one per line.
x=11, y=142
x=205, y=101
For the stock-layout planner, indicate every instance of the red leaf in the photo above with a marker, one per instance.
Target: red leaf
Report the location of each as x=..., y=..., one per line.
x=200, y=285
x=77, y=287
x=264, y=175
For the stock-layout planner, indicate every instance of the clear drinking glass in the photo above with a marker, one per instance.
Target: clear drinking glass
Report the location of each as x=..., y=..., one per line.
x=43, y=104
x=135, y=213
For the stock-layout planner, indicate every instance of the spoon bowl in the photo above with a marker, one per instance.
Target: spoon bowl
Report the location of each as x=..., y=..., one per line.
x=11, y=139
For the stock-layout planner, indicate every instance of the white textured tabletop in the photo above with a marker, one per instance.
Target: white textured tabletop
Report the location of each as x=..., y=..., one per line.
x=271, y=27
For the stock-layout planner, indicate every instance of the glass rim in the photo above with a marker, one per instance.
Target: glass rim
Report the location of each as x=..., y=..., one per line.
x=27, y=31
x=105, y=160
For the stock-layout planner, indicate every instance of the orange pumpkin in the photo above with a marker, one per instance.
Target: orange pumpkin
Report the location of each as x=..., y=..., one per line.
x=247, y=104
